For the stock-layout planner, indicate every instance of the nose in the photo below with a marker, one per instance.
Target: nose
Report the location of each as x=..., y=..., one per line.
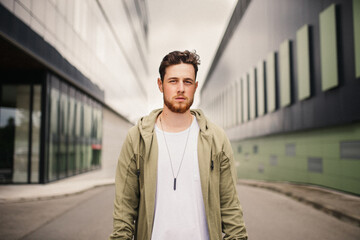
x=181, y=87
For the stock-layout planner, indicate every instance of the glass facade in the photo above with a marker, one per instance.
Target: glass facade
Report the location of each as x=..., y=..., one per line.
x=51, y=95
x=75, y=131
x=20, y=122
x=71, y=126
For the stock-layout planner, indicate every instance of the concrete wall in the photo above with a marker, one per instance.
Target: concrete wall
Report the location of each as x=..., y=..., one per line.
x=114, y=133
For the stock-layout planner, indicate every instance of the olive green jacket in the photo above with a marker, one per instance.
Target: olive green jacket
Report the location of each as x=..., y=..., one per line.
x=136, y=177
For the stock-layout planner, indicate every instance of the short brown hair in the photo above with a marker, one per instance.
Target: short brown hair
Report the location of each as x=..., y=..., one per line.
x=177, y=57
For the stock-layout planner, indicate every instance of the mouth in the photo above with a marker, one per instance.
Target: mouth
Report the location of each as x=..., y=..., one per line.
x=180, y=99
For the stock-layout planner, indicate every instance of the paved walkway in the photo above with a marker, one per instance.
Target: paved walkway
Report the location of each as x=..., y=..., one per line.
x=343, y=206
x=61, y=188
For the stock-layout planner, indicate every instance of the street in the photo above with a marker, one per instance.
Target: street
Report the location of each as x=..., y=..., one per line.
x=88, y=215
x=270, y=215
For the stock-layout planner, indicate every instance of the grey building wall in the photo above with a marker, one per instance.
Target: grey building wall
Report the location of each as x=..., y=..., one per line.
x=259, y=30
x=285, y=88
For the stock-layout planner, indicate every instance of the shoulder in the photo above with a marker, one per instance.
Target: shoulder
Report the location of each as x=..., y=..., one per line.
x=132, y=134
x=209, y=128
x=215, y=130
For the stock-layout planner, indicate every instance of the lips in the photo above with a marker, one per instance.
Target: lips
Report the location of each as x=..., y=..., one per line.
x=180, y=98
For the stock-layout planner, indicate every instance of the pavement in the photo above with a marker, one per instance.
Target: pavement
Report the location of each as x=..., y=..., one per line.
x=61, y=188
x=343, y=206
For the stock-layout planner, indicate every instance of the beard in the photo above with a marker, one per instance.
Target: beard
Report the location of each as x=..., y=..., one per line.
x=179, y=107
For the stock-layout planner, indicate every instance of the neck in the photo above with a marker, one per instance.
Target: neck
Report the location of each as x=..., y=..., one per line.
x=174, y=122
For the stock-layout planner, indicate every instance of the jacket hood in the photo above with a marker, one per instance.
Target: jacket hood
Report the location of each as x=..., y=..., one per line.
x=146, y=124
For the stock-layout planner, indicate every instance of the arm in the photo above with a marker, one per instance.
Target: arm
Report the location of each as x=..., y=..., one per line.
x=126, y=193
x=231, y=213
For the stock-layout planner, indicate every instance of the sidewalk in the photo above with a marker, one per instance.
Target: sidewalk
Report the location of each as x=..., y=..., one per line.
x=343, y=206
x=61, y=188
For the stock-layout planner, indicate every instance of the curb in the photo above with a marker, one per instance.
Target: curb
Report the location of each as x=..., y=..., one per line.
x=54, y=196
x=355, y=220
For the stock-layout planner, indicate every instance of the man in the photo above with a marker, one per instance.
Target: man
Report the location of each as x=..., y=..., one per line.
x=175, y=177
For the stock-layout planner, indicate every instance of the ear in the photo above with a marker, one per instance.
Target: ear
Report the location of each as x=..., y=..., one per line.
x=196, y=85
x=160, y=85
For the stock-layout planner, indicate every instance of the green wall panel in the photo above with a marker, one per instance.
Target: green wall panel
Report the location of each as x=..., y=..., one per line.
x=356, y=15
x=337, y=173
x=328, y=48
x=260, y=80
x=245, y=94
x=303, y=62
x=252, y=94
x=270, y=82
x=285, y=73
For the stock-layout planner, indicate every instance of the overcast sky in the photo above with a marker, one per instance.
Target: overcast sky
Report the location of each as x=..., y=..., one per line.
x=184, y=25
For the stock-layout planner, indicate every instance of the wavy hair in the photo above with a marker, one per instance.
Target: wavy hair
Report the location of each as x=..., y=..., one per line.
x=177, y=57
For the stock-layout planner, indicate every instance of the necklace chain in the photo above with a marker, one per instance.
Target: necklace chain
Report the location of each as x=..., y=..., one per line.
x=182, y=158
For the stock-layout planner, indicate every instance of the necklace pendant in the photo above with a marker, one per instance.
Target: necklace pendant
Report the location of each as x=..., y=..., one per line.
x=174, y=184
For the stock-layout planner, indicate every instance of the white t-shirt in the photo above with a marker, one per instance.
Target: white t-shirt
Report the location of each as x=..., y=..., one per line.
x=179, y=214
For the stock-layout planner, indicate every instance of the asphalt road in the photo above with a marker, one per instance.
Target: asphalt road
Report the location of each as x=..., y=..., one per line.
x=86, y=215
x=268, y=215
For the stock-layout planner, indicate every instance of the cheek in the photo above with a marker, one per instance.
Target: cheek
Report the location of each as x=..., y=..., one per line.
x=192, y=91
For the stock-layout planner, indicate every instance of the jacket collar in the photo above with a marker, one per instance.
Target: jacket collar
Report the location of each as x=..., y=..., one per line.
x=146, y=124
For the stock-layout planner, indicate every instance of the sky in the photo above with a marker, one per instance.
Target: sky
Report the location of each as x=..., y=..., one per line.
x=184, y=25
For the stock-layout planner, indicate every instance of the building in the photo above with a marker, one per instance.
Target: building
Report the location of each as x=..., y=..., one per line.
x=69, y=72
x=285, y=84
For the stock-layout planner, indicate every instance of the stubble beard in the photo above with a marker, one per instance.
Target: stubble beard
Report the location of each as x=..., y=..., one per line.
x=178, y=107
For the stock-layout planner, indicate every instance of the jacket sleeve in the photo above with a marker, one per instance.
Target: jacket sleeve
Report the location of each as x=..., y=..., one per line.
x=231, y=212
x=126, y=193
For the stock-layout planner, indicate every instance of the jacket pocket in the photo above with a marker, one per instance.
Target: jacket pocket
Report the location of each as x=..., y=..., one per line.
x=215, y=172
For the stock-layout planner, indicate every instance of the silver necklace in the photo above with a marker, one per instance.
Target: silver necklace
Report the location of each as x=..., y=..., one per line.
x=171, y=164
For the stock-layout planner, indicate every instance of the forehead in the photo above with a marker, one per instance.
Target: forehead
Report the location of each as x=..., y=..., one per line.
x=180, y=70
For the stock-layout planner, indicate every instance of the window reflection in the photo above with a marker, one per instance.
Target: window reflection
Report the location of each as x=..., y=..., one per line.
x=75, y=136
x=35, y=142
x=16, y=153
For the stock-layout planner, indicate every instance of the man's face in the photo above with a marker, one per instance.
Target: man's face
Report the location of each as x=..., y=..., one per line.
x=179, y=87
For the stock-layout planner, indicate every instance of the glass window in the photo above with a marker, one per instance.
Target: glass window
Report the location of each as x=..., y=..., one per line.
x=7, y=132
x=14, y=125
x=53, y=134
x=14, y=133
x=71, y=134
x=15, y=158
x=77, y=138
x=36, y=126
x=87, y=134
x=63, y=131
x=75, y=132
